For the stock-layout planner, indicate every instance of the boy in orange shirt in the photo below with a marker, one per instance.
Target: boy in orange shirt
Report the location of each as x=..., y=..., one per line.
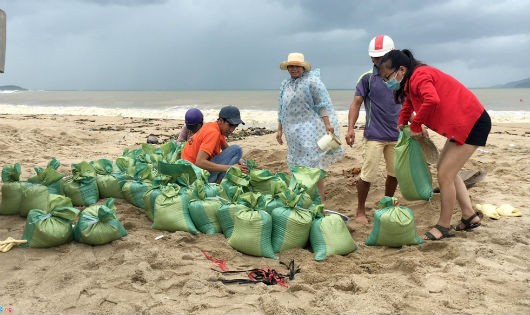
x=208, y=148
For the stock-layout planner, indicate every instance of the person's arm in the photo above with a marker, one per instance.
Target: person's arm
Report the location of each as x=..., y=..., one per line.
x=279, y=133
x=203, y=162
x=353, y=115
x=424, y=86
x=322, y=101
x=183, y=135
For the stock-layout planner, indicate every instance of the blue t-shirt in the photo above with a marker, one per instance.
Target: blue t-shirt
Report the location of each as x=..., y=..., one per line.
x=382, y=111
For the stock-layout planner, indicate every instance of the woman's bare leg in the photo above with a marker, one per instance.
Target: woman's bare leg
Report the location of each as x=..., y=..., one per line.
x=452, y=159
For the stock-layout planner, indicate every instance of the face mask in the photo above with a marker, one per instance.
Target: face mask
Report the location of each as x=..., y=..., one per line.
x=393, y=84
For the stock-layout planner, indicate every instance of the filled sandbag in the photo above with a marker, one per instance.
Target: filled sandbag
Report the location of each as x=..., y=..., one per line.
x=34, y=196
x=109, y=179
x=99, y=224
x=203, y=209
x=252, y=229
x=11, y=189
x=265, y=182
x=290, y=224
x=56, y=201
x=329, y=235
x=394, y=225
x=229, y=207
x=308, y=177
x=49, y=177
x=51, y=229
x=82, y=187
x=412, y=171
x=171, y=211
x=234, y=178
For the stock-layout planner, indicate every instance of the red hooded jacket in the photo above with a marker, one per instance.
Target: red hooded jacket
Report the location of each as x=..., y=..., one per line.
x=441, y=103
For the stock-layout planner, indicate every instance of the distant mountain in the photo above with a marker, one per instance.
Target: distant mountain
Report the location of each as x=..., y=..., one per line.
x=11, y=88
x=524, y=83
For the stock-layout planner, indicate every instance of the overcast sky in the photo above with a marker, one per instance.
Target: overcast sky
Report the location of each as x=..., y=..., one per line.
x=238, y=44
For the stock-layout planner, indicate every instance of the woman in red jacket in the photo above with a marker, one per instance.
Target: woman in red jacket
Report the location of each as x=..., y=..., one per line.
x=447, y=107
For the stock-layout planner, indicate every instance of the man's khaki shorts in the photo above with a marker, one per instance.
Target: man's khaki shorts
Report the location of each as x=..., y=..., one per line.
x=372, y=152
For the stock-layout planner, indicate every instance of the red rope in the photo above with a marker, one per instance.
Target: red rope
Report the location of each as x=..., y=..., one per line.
x=219, y=262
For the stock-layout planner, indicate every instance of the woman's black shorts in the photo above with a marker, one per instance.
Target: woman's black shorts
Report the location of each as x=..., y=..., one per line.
x=480, y=131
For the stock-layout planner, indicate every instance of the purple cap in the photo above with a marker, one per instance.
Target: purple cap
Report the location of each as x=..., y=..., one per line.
x=193, y=116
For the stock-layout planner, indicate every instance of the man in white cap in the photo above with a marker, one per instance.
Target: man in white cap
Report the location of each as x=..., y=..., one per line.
x=380, y=131
x=208, y=148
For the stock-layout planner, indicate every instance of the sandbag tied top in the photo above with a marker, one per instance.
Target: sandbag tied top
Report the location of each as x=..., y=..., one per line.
x=56, y=201
x=182, y=172
x=171, y=151
x=99, y=224
x=412, y=172
x=49, y=177
x=11, y=173
x=308, y=177
x=44, y=229
x=265, y=182
x=394, y=225
x=252, y=229
x=329, y=235
x=82, y=186
x=290, y=224
x=171, y=211
x=235, y=177
x=201, y=190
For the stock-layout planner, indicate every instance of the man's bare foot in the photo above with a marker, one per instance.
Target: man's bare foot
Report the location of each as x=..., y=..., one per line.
x=361, y=218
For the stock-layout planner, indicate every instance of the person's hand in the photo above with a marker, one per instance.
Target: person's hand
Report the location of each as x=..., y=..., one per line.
x=400, y=127
x=330, y=129
x=350, y=137
x=424, y=131
x=279, y=137
x=243, y=167
x=416, y=135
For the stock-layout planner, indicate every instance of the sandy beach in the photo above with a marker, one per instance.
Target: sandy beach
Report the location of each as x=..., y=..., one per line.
x=485, y=271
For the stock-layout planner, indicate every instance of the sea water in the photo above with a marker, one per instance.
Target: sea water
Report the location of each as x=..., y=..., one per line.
x=258, y=107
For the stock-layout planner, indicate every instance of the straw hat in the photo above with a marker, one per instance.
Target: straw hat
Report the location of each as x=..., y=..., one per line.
x=295, y=59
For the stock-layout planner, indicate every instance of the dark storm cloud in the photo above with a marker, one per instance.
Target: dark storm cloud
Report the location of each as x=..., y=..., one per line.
x=237, y=44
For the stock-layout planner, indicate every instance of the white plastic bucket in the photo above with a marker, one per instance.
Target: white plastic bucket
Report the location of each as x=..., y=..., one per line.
x=328, y=142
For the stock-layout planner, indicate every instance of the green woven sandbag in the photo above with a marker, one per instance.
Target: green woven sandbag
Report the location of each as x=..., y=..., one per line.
x=11, y=190
x=412, y=172
x=203, y=213
x=330, y=236
x=252, y=232
x=49, y=229
x=263, y=181
x=34, y=196
x=225, y=216
x=149, y=201
x=209, y=189
x=82, y=187
x=49, y=177
x=394, y=225
x=290, y=224
x=203, y=209
x=308, y=177
x=108, y=180
x=235, y=177
x=182, y=172
x=134, y=190
x=11, y=198
x=272, y=202
x=171, y=211
x=56, y=201
x=99, y=224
